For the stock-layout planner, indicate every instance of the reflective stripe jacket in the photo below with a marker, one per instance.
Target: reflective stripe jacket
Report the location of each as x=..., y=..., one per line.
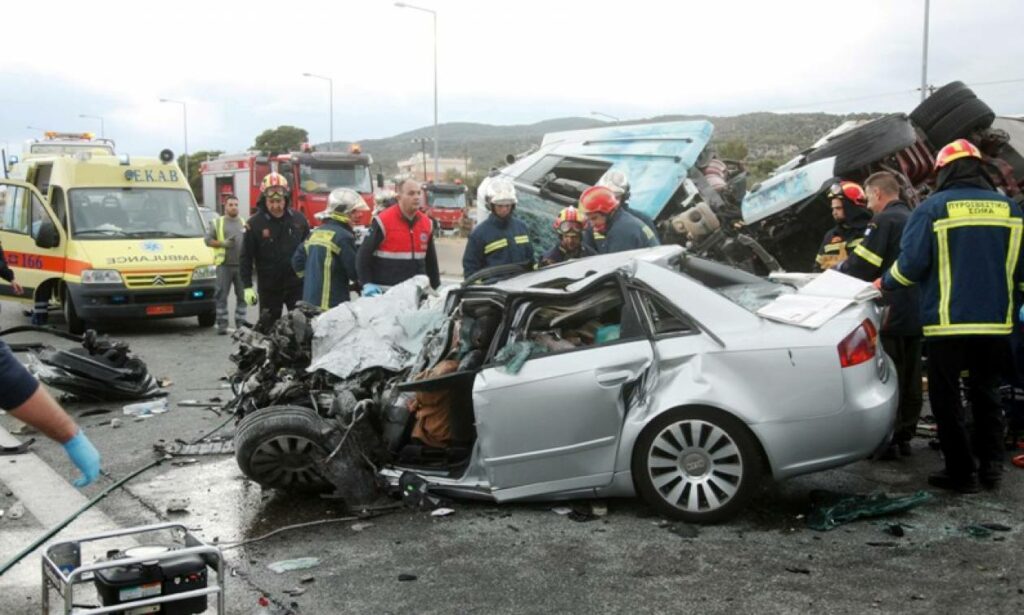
x=558, y=254
x=837, y=246
x=327, y=263
x=497, y=241
x=874, y=256
x=962, y=245
x=397, y=249
x=624, y=231
x=268, y=245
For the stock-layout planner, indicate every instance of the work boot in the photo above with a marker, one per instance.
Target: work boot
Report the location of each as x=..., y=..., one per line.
x=904, y=446
x=959, y=484
x=991, y=478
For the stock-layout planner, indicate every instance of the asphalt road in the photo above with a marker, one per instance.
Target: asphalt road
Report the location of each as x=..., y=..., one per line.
x=513, y=558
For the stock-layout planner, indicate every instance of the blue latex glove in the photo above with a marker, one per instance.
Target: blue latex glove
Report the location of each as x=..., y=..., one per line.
x=85, y=457
x=371, y=290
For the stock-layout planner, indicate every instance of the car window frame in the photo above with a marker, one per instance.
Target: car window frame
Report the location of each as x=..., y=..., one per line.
x=637, y=290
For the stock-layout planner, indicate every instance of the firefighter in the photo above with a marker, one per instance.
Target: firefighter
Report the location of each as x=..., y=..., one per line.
x=327, y=261
x=850, y=211
x=962, y=246
x=271, y=236
x=618, y=183
x=901, y=327
x=400, y=245
x=611, y=228
x=501, y=239
x=569, y=226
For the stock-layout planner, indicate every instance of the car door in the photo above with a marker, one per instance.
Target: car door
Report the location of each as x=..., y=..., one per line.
x=555, y=425
x=24, y=218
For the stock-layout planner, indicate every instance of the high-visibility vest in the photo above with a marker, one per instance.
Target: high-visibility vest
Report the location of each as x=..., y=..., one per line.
x=219, y=254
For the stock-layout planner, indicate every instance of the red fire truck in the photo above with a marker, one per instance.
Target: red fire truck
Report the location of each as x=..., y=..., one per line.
x=446, y=204
x=311, y=176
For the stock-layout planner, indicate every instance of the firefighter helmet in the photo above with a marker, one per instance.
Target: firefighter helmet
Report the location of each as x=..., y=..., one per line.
x=851, y=191
x=569, y=220
x=345, y=201
x=961, y=148
x=616, y=181
x=274, y=182
x=500, y=191
x=598, y=200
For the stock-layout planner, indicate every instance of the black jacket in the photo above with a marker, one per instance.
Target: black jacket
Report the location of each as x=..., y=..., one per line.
x=875, y=254
x=268, y=245
x=497, y=241
x=624, y=232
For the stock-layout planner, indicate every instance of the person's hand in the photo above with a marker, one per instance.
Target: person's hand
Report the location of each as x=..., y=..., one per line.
x=85, y=457
x=17, y=288
x=371, y=290
x=877, y=283
x=250, y=296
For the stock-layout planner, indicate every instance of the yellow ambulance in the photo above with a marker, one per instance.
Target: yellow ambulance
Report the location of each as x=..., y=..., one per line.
x=107, y=237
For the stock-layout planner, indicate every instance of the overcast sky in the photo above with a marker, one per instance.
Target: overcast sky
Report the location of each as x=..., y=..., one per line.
x=239, y=65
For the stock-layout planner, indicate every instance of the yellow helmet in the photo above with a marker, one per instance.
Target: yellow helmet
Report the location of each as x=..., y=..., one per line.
x=274, y=181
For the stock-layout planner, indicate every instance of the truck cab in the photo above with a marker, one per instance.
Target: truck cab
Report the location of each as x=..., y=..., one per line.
x=315, y=174
x=107, y=238
x=446, y=204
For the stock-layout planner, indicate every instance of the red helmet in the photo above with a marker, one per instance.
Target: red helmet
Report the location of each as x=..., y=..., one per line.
x=569, y=220
x=961, y=148
x=598, y=200
x=851, y=191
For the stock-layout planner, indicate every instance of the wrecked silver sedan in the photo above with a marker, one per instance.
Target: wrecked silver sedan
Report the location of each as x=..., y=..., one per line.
x=643, y=372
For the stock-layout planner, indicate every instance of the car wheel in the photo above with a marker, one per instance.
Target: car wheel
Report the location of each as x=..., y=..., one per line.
x=208, y=319
x=697, y=464
x=971, y=115
x=280, y=446
x=940, y=103
x=75, y=324
x=867, y=144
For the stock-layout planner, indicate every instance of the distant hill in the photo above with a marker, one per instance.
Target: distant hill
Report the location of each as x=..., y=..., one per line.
x=767, y=136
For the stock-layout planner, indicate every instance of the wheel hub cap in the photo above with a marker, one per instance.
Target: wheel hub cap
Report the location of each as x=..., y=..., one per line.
x=695, y=465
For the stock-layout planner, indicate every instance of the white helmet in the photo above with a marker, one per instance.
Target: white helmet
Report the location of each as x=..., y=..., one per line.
x=500, y=191
x=345, y=201
x=616, y=181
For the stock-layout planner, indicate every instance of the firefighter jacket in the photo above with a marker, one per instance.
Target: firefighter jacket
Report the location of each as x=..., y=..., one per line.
x=962, y=246
x=641, y=216
x=327, y=263
x=874, y=256
x=497, y=241
x=558, y=254
x=268, y=245
x=397, y=249
x=623, y=231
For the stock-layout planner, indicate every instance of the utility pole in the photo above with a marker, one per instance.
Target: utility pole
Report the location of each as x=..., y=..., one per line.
x=330, y=106
x=433, y=14
x=423, y=156
x=924, y=55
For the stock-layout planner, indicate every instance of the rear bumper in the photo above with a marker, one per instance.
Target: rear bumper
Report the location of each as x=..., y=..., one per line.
x=104, y=302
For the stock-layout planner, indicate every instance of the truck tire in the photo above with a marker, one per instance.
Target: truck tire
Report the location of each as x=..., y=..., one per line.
x=279, y=447
x=940, y=103
x=867, y=144
x=75, y=324
x=208, y=319
x=969, y=116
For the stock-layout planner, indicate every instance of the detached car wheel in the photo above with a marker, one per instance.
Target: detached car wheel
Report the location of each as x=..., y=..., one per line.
x=699, y=465
x=280, y=447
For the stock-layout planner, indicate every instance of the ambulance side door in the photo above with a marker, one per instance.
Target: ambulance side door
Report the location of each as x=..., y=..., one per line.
x=32, y=239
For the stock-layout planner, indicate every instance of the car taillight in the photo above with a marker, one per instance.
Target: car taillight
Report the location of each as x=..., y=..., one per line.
x=859, y=346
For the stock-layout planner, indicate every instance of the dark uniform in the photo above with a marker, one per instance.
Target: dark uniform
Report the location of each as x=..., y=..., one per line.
x=327, y=263
x=622, y=232
x=268, y=245
x=397, y=249
x=639, y=215
x=841, y=240
x=962, y=246
x=497, y=241
x=901, y=327
x=16, y=383
x=6, y=273
x=558, y=254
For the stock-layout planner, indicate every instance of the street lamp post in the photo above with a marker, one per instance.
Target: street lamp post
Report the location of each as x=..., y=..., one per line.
x=330, y=105
x=184, y=115
x=611, y=117
x=423, y=157
x=95, y=117
x=433, y=13
x=924, y=55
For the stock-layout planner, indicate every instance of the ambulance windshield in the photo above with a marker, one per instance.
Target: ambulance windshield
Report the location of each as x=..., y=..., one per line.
x=105, y=213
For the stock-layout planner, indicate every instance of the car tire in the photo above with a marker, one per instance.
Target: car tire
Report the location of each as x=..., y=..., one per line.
x=940, y=103
x=867, y=144
x=76, y=325
x=280, y=446
x=208, y=319
x=698, y=465
x=969, y=116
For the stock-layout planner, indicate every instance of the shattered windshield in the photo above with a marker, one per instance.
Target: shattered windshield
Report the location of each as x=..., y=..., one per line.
x=323, y=180
x=104, y=213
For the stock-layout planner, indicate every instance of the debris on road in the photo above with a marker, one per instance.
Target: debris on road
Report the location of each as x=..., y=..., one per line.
x=178, y=505
x=295, y=591
x=18, y=449
x=895, y=529
x=301, y=563
x=830, y=510
x=213, y=446
x=442, y=512
x=407, y=577
x=683, y=530
x=146, y=408
x=985, y=530
x=561, y=510
x=116, y=423
x=16, y=511
x=307, y=578
x=358, y=527
x=797, y=570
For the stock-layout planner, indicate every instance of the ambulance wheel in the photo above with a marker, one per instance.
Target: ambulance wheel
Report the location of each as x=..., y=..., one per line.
x=208, y=319
x=75, y=324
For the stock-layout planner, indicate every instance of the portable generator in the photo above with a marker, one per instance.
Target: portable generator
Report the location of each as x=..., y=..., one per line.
x=161, y=577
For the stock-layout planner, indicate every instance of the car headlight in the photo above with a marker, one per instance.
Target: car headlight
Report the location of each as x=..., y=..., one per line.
x=206, y=272
x=101, y=276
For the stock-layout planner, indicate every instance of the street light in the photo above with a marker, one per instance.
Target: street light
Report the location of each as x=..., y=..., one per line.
x=95, y=117
x=184, y=115
x=423, y=156
x=433, y=13
x=611, y=117
x=924, y=55
x=330, y=104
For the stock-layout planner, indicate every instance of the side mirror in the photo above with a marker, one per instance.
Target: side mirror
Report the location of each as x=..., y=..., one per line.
x=47, y=237
x=380, y=180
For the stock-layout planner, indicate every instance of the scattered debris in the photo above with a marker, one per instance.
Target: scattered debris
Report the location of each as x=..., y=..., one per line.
x=582, y=512
x=184, y=462
x=307, y=578
x=882, y=543
x=146, y=408
x=600, y=509
x=18, y=449
x=177, y=505
x=895, y=529
x=358, y=527
x=996, y=527
x=830, y=510
x=683, y=530
x=115, y=423
x=301, y=563
x=94, y=412
x=295, y=591
x=16, y=511
x=561, y=510
x=407, y=577
x=442, y=512
x=163, y=383
x=194, y=403
x=797, y=570
x=985, y=530
x=178, y=448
